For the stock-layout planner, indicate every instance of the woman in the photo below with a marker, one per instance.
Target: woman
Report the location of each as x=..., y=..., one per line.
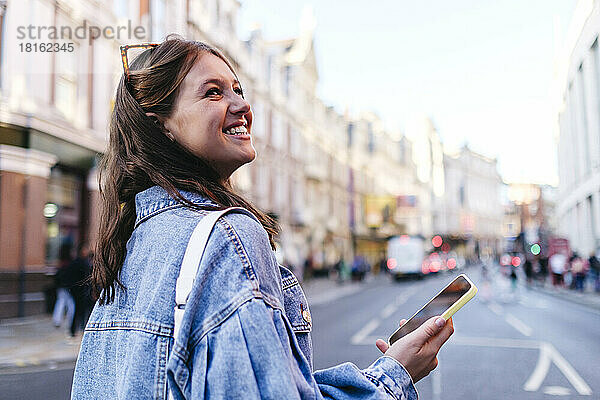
x=180, y=128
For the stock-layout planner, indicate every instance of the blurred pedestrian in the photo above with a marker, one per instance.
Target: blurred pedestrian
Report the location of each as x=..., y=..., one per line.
x=79, y=272
x=528, y=267
x=360, y=267
x=558, y=262
x=309, y=267
x=235, y=325
x=513, y=279
x=543, y=272
x=578, y=270
x=340, y=269
x=594, y=264
x=64, y=308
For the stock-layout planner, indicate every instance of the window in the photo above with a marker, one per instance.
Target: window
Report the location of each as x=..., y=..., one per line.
x=286, y=79
x=371, y=138
x=157, y=15
x=269, y=66
x=350, y=133
x=198, y=14
x=591, y=220
x=217, y=12
x=583, y=119
x=65, y=84
x=402, y=152
x=2, y=14
x=276, y=132
x=121, y=8
x=595, y=59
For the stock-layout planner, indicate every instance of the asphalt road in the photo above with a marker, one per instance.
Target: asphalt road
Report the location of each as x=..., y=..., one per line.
x=506, y=345
x=38, y=384
x=523, y=345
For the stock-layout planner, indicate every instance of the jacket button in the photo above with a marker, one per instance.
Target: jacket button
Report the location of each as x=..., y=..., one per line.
x=305, y=314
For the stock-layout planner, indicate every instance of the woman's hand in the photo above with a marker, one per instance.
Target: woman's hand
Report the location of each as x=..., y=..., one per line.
x=417, y=351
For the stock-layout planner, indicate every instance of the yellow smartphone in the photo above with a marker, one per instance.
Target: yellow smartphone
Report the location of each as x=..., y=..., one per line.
x=448, y=301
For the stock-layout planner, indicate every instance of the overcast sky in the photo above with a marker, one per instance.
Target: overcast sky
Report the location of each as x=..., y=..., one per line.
x=482, y=70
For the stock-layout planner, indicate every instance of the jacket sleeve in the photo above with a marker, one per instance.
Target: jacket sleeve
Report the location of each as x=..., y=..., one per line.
x=253, y=354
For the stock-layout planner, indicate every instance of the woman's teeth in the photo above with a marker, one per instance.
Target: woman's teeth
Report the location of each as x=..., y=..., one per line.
x=238, y=130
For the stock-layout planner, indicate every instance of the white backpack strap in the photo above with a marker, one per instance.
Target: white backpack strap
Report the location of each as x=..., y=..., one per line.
x=191, y=260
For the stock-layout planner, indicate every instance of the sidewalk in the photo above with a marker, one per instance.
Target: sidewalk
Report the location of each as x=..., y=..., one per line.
x=34, y=341
x=324, y=290
x=587, y=298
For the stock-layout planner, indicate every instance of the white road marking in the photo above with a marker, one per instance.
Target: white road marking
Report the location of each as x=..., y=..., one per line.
x=533, y=303
x=493, y=342
x=518, y=324
x=568, y=371
x=495, y=308
x=329, y=296
x=557, y=391
x=359, y=337
x=539, y=373
x=548, y=355
x=401, y=299
x=362, y=336
x=389, y=310
x=436, y=383
x=369, y=340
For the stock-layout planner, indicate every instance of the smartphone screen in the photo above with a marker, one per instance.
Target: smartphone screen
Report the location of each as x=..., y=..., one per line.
x=436, y=306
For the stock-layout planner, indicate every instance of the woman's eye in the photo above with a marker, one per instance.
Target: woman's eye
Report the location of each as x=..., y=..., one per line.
x=213, y=92
x=239, y=91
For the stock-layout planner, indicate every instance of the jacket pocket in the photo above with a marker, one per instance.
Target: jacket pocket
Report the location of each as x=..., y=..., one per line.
x=295, y=303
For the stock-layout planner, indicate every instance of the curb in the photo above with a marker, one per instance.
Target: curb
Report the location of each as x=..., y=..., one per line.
x=571, y=297
x=22, y=365
x=334, y=291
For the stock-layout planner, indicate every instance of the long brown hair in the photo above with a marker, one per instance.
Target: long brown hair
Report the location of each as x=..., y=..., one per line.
x=140, y=155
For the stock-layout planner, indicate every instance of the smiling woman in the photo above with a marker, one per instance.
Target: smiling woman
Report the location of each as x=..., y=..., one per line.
x=211, y=118
x=180, y=127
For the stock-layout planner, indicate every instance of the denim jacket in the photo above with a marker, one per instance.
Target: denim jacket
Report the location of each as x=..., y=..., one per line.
x=246, y=328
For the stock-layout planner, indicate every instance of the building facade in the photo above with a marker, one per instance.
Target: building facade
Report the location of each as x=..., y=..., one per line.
x=473, y=210
x=54, y=108
x=54, y=114
x=530, y=217
x=578, y=208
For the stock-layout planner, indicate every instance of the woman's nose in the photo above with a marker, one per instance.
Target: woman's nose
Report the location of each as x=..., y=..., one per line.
x=239, y=106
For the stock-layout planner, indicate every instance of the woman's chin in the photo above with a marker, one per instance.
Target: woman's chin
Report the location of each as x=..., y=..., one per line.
x=249, y=155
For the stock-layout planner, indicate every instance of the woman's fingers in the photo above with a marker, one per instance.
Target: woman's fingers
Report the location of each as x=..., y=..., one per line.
x=441, y=337
x=382, y=345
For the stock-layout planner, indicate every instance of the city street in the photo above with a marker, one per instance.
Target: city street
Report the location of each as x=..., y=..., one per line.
x=523, y=346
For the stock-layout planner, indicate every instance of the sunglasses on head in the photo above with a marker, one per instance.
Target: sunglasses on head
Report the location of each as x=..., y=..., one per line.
x=127, y=47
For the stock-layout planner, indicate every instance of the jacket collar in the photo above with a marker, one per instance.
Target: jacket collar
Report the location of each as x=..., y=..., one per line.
x=155, y=199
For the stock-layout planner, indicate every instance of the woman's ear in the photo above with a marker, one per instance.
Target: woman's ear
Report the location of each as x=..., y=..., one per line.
x=157, y=121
